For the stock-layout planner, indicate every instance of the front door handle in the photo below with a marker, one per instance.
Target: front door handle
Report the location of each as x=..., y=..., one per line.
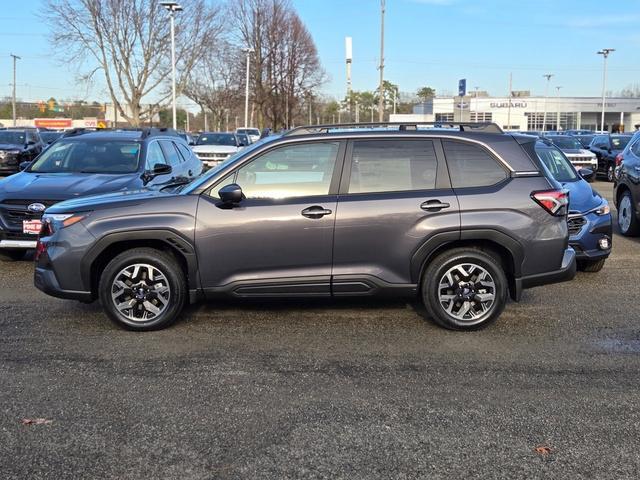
x=315, y=212
x=434, y=205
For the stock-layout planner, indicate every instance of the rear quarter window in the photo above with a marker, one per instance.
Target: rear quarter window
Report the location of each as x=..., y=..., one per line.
x=471, y=165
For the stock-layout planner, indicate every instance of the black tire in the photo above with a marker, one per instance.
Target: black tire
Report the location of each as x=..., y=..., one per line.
x=435, y=273
x=627, y=219
x=170, y=276
x=592, y=266
x=11, y=255
x=610, y=173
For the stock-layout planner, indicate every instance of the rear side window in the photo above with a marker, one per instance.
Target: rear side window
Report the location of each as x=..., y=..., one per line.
x=392, y=166
x=471, y=166
x=185, y=152
x=635, y=148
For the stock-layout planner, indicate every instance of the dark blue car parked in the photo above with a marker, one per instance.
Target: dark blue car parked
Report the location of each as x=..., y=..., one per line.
x=590, y=222
x=88, y=163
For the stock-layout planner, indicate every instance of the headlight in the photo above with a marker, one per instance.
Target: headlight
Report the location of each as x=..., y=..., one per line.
x=602, y=209
x=51, y=223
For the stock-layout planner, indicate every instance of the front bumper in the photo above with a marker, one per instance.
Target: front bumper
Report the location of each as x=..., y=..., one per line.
x=586, y=241
x=565, y=273
x=46, y=281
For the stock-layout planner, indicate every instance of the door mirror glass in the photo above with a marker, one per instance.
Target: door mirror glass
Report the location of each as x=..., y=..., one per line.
x=231, y=193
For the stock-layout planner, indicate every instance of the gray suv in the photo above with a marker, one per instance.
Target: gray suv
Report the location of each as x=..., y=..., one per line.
x=460, y=217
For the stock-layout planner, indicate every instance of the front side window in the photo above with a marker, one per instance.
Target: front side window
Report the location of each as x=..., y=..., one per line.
x=154, y=156
x=557, y=164
x=88, y=156
x=619, y=142
x=471, y=166
x=392, y=166
x=290, y=171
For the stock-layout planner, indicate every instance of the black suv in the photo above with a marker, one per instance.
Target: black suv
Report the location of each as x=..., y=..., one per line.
x=459, y=217
x=88, y=163
x=626, y=187
x=18, y=145
x=607, y=147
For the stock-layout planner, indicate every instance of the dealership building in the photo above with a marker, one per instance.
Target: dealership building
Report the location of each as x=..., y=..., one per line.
x=528, y=113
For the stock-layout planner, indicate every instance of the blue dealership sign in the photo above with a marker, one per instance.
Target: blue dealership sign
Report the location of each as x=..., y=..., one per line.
x=462, y=87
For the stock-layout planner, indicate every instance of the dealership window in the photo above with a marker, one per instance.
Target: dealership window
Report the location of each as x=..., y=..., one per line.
x=568, y=120
x=481, y=116
x=444, y=117
x=471, y=166
x=392, y=166
x=290, y=171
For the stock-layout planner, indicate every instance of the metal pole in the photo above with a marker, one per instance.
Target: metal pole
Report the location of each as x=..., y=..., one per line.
x=509, y=100
x=395, y=97
x=546, y=94
x=558, y=107
x=357, y=113
x=227, y=119
x=173, y=68
x=605, y=53
x=13, y=103
x=246, y=90
x=381, y=99
x=309, y=112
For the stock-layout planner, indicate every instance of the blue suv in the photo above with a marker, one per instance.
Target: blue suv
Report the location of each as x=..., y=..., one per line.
x=88, y=163
x=589, y=220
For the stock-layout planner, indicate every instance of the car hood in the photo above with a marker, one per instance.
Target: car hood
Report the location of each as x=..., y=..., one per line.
x=582, y=197
x=107, y=200
x=576, y=151
x=61, y=186
x=11, y=146
x=215, y=149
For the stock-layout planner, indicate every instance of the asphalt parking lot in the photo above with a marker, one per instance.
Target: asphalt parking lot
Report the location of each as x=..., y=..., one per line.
x=352, y=389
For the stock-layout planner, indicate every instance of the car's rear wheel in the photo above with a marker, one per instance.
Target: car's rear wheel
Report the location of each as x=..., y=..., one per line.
x=11, y=255
x=611, y=173
x=464, y=289
x=627, y=220
x=593, y=266
x=143, y=289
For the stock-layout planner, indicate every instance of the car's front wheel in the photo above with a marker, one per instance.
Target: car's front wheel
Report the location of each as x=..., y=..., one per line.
x=627, y=220
x=143, y=289
x=464, y=289
x=11, y=254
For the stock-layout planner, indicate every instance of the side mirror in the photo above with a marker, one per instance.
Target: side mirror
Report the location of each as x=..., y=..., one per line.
x=231, y=193
x=24, y=165
x=586, y=173
x=158, y=169
x=31, y=142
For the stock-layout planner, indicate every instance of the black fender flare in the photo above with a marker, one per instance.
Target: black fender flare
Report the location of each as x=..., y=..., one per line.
x=174, y=240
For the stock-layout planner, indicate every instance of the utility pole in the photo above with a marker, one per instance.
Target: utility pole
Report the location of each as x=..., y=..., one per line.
x=546, y=95
x=605, y=54
x=13, y=103
x=381, y=93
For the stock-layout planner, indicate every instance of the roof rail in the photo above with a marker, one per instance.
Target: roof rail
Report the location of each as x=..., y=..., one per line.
x=484, y=127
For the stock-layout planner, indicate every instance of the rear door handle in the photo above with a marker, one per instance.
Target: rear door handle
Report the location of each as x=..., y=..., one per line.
x=316, y=212
x=433, y=205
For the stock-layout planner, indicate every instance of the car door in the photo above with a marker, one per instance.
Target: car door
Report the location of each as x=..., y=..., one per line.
x=395, y=195
x=277, y=240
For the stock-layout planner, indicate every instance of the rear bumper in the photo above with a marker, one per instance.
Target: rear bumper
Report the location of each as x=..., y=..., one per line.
x=46, y=281
x=566, y=272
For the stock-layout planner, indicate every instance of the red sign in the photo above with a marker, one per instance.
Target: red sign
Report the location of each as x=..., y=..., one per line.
x=53, y=122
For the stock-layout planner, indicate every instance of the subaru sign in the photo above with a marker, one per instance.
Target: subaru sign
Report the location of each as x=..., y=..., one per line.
x=462, y=87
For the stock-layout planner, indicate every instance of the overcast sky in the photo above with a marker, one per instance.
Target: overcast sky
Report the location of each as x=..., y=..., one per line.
x=428, y=42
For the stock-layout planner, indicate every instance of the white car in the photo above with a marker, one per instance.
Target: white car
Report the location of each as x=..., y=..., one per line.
x=213, y=148
x=254, y=133
x=574, y=151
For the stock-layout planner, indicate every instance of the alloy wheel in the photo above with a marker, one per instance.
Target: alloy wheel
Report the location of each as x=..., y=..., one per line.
x=624, y=213
x=140, y=292
x=467, y=292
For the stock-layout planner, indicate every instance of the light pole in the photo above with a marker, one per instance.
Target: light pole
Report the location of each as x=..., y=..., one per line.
x=558, y=106
x=605, y=54
x=546, y=94
x=381, y=67
x=172, y=7
x=13, y=102
x=248, y=52
x=476, y=97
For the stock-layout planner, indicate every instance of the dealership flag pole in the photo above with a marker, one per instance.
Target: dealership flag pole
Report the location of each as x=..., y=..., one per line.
x=605, y=53
x=546, y=95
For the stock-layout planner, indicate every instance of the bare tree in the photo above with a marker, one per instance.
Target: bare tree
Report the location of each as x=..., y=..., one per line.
x=129, y=41
x=285, y=67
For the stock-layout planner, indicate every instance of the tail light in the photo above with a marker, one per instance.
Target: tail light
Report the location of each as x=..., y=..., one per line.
x=553, y=201
x=41, y=248
x=618, y=159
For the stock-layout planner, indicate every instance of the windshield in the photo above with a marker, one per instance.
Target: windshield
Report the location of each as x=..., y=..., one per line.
x=566, y=143
x=88, y=156
x=49, y=137
x=13, y=138
x=228, y=139
x=249, y=131
x=221, y=166
x=557, y=164
x=620, y=142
